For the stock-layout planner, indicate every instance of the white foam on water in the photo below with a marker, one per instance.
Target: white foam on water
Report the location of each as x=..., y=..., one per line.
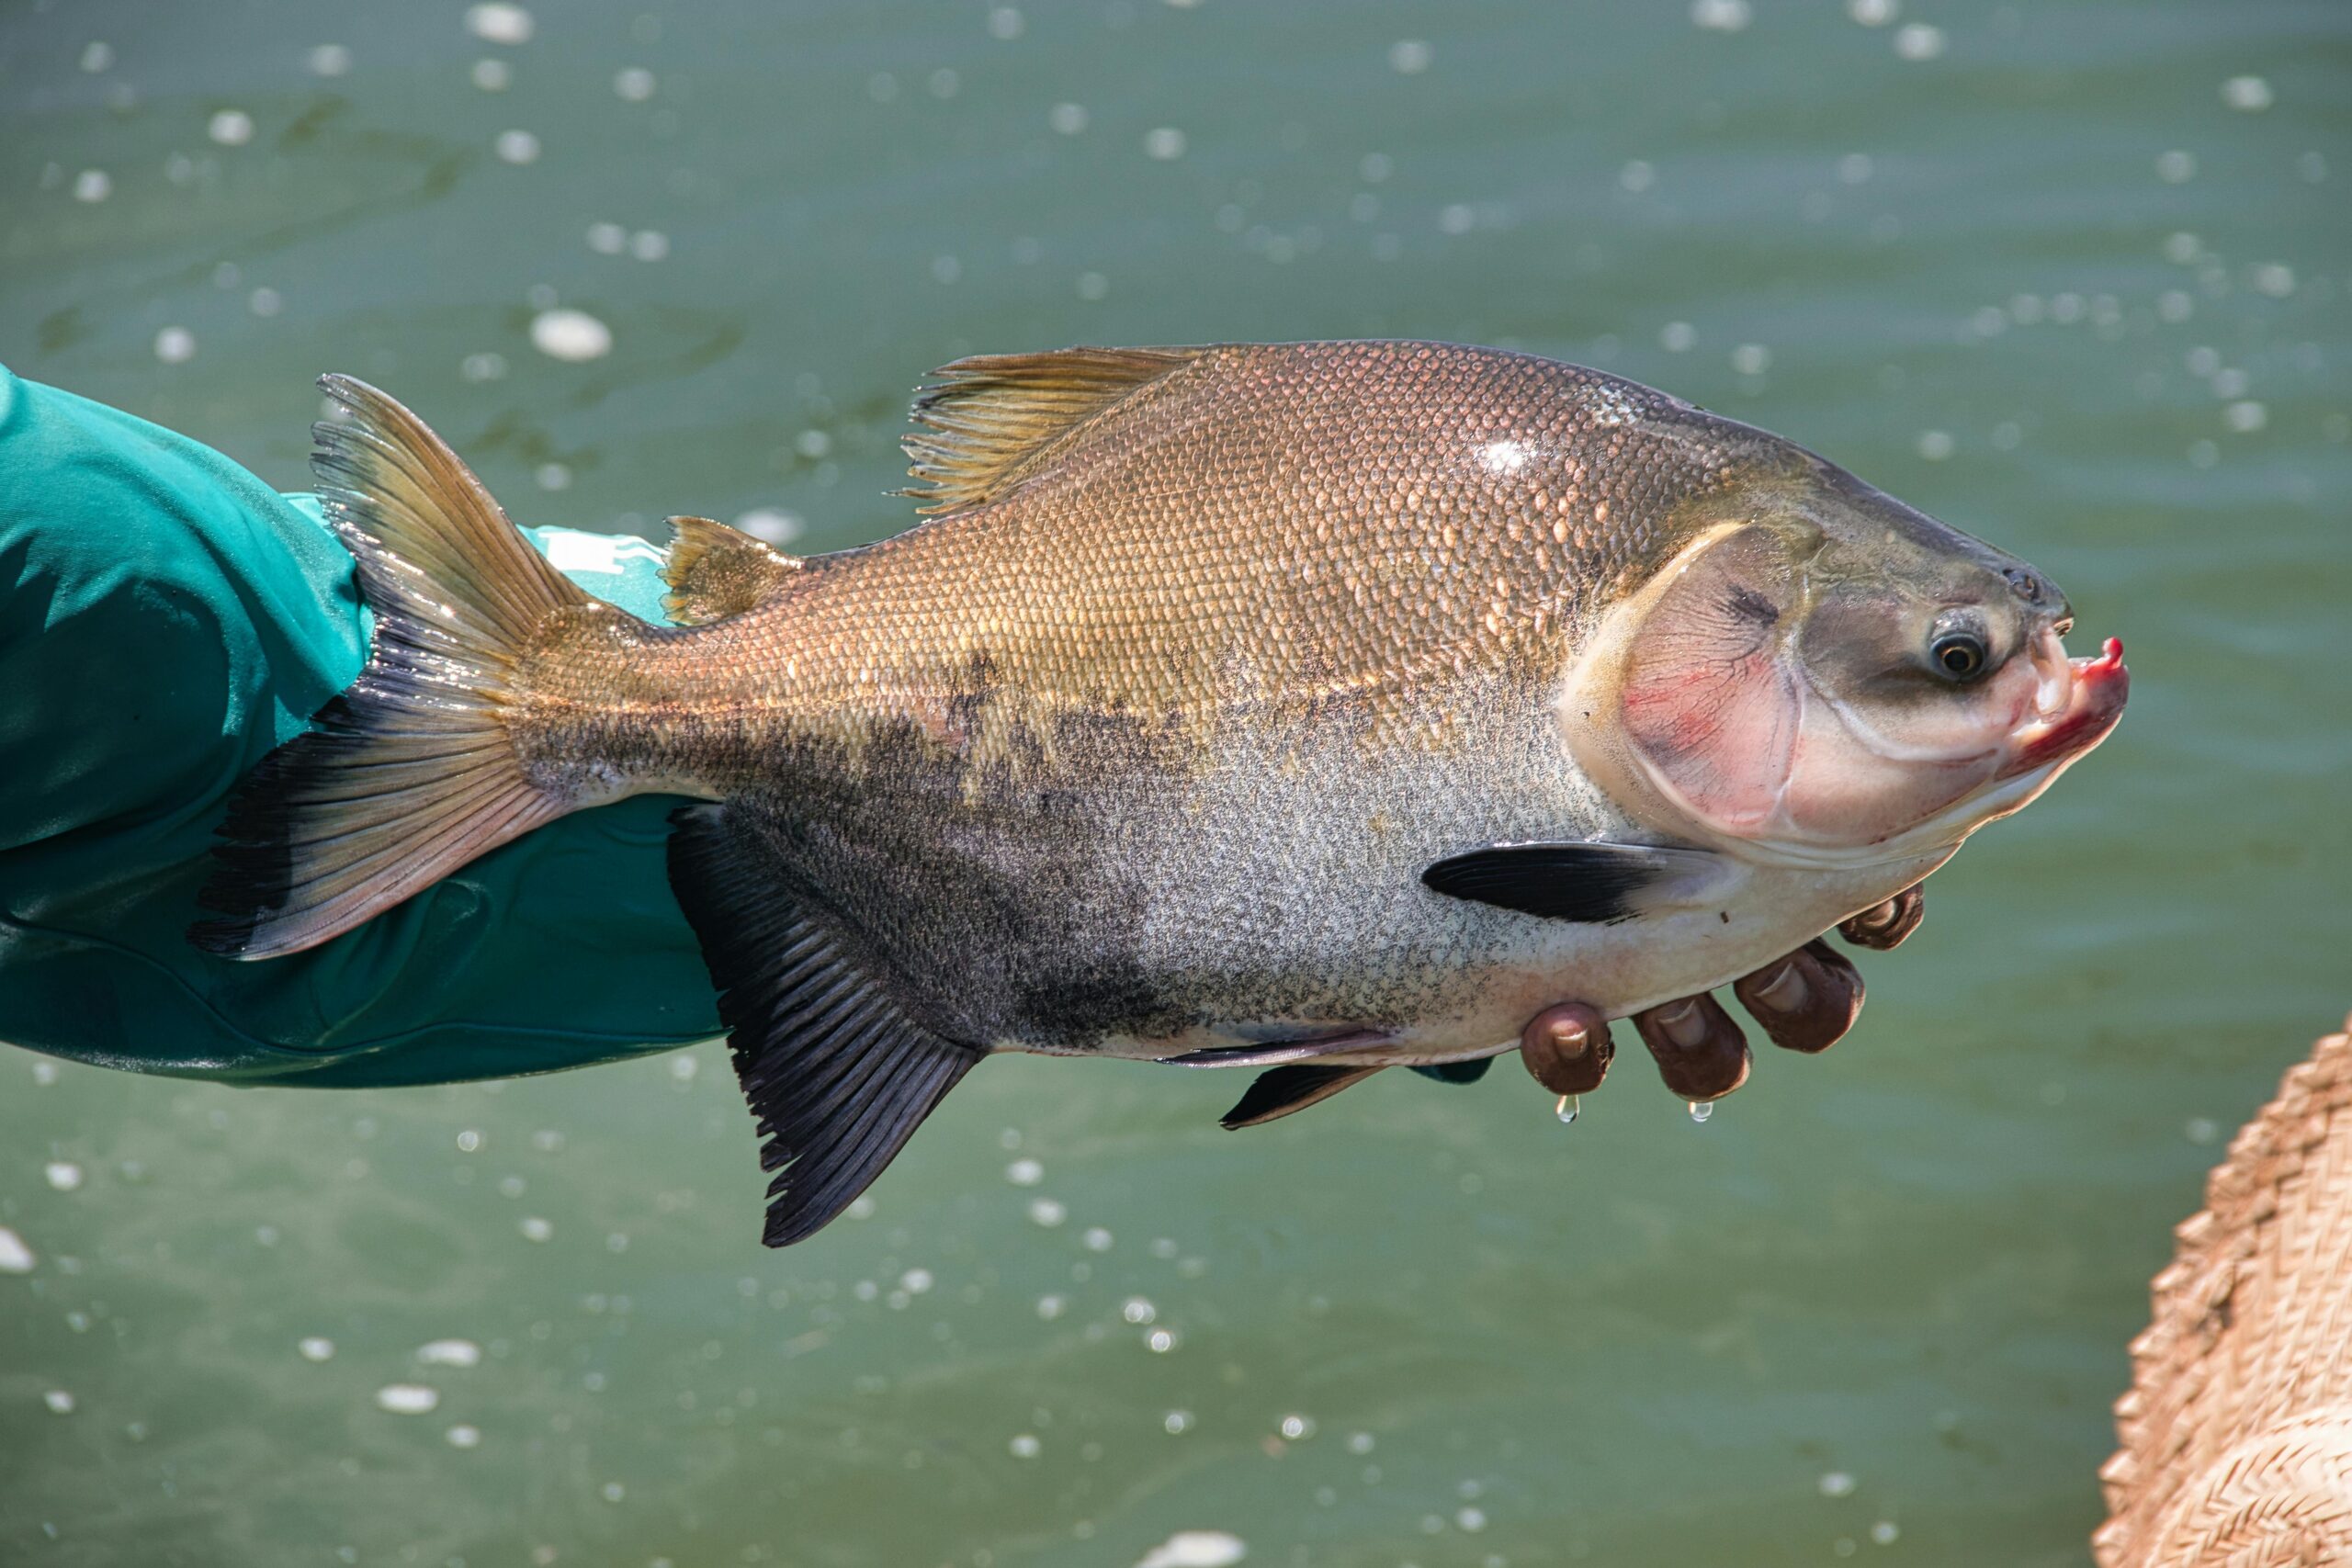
x=63, y=1175
x=574, y=335
x=408, y=1399
x=15, y=1257
x=230, y=128
x=316, y=1348
x=500, y=21
x=450, y=1353
x=1197, y=1548
x=770, y=526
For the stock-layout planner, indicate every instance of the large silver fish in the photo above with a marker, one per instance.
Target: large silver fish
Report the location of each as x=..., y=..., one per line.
x=1340, y=702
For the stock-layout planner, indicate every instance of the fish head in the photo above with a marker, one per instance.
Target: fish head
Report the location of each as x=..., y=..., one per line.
x=1824, y=676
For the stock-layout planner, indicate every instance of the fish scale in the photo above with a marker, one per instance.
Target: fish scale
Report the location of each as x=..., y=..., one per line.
x=1238, y=706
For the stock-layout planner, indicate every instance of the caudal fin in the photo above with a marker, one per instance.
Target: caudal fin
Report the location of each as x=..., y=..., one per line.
x=411, y=773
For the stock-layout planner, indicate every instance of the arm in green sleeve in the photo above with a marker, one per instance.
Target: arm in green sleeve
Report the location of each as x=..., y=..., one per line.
x=165, y=619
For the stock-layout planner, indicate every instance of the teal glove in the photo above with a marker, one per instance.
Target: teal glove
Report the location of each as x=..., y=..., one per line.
x=165, y=619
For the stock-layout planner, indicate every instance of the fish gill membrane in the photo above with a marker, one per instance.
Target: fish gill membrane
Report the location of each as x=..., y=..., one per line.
x=1315, y=707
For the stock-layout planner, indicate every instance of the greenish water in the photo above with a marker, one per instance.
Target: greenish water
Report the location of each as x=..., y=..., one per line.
x=2049, y=271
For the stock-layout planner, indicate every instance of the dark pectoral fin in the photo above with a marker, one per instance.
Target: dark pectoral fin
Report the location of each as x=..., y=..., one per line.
x=1599, y=883
x=837, y=1074
x=1277, y=1093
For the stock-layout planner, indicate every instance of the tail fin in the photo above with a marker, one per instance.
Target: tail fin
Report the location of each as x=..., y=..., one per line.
x=410, y=774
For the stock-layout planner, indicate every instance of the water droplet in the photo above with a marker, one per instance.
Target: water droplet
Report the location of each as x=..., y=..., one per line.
x=1700, y=1109
x=63, y=1175
x=450, y=1353
x=316, y=1349
x=1568, y=1109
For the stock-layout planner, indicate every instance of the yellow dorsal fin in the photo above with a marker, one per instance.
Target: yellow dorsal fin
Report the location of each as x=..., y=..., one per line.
x=994, y=418
x=715, y=572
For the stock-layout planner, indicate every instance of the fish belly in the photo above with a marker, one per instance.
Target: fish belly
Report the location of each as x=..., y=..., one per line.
x=1267, y=888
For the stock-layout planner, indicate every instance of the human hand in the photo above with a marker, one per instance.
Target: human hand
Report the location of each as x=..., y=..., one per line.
x=1805, y=1001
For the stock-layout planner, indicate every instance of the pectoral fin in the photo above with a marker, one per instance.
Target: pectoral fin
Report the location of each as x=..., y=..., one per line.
x=837, y=1072
x=1598, y=884
x=1277, y=1093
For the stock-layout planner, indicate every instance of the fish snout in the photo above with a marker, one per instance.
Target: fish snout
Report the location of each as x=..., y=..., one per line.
x=2094, y=691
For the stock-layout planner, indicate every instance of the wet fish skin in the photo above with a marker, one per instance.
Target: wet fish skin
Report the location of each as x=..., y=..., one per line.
x=1143, y=748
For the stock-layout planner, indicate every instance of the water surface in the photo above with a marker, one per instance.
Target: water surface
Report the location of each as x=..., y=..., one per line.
x=2071, y=275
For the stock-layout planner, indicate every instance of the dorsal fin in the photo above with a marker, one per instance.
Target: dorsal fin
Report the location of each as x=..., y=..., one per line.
x=715, y=572
x=994, y=418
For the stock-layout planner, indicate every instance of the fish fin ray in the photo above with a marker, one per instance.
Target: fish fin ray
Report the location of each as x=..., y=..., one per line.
x=715, y=572
x=993, y=419
x=1274, y=1052
x=1596, y=884
x=457, y=594
x=837, y=1092
x=1281, y=1091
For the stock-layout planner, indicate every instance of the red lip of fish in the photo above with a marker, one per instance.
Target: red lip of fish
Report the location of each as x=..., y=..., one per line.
x=2101, y=685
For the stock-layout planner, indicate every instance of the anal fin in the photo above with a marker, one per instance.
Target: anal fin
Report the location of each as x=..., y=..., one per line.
x=836, y=1073
x=1279, y=1092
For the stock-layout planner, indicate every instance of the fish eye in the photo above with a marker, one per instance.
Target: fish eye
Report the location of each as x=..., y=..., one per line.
x=1959, y=653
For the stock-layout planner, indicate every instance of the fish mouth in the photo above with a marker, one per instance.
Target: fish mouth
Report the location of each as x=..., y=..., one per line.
x=2077, y=703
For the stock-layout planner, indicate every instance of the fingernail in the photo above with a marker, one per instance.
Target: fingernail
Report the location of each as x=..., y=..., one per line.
x=1683, y=1023
x=1785, y=992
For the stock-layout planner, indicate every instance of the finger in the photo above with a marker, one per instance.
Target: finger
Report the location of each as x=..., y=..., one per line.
x=1567, y=1048
x=1807, y=1000
x=1883, y=927
x=1701, y=1053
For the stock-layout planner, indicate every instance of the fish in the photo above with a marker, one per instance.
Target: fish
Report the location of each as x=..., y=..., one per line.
x=1305, y=707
